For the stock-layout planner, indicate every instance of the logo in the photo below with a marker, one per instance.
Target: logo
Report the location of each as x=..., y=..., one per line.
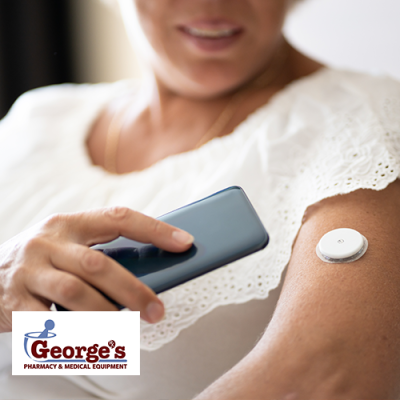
x=40, y=351
x=65, y=346
x=49, y=325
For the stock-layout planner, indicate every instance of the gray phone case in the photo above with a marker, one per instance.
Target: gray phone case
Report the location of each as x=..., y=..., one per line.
x=225, y=227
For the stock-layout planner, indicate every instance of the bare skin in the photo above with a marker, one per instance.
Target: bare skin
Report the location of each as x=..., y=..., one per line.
x=334, y=334
x=172, y=123
x=193, y=86
x=51, y=262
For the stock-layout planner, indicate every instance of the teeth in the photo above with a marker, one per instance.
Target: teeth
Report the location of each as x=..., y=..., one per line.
x=210, y=33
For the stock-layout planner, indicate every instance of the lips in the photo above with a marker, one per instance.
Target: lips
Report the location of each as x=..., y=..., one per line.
x=211, y=35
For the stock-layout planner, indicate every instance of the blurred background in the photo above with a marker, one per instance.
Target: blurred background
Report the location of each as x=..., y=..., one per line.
x=44, y=42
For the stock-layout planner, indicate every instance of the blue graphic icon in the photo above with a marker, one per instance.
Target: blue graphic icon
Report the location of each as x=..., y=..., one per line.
x=49, y=325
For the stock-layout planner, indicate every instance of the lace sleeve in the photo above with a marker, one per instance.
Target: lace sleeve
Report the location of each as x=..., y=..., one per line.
x=360, y=148
x=325, y=136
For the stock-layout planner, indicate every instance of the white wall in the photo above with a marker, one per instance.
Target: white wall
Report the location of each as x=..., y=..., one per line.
x=103, y=50
x=358, y=34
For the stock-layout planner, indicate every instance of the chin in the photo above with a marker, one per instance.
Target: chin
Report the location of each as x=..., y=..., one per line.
x=205, y=83
x=206, y=75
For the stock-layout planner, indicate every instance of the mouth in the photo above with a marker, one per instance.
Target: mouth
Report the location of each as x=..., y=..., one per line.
x=211, y=35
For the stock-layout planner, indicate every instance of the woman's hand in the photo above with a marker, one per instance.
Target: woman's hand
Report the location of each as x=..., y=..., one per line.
x=51, y=262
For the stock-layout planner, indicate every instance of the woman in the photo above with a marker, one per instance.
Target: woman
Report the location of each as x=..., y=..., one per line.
x=230, y=103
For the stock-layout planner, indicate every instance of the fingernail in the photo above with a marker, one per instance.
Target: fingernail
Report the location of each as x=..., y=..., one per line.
x=155, y=311
x=182, y=237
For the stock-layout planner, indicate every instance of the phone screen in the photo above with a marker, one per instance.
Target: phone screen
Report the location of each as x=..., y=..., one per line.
x=148, y=259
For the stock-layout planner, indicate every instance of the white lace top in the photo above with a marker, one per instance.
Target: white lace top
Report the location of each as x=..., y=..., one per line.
x=327, y=134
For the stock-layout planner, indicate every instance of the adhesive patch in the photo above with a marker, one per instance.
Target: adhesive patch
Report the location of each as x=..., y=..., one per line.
x=342, y=245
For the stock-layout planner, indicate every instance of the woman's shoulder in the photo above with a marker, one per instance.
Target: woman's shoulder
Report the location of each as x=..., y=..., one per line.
x=332, y=85
x=50, y=119
x=373, y=99
x=331, y=76
x=331, y=98
x=57, y=100
x=329, y=94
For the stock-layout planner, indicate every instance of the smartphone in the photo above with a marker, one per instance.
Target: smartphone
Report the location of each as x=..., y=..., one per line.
x=225, y=227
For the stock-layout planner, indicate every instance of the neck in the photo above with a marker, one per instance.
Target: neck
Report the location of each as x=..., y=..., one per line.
x=166, y=105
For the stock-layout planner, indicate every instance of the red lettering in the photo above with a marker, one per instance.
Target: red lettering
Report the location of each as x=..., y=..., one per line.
x=55, y=352
x=104, y=352
x=41, y=353
x=91, y=354
x=70, y=350
x=120, y=352
x=79, y=350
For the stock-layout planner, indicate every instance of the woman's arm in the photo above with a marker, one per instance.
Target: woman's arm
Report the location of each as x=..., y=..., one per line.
x=336, y=331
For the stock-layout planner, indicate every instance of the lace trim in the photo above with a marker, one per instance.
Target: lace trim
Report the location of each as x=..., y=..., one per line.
x=347, y=157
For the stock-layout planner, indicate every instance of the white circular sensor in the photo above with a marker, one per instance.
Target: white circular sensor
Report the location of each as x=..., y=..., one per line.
x=342, y=245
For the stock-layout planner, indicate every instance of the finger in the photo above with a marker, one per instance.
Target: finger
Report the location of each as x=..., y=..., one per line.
x=108, y=276
x=103, y=225
x=34, y=304
x=68, y=290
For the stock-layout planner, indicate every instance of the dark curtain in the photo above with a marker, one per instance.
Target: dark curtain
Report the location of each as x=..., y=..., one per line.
x=35, y=46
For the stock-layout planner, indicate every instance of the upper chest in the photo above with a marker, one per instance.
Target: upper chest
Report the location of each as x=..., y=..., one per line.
x=130, y=141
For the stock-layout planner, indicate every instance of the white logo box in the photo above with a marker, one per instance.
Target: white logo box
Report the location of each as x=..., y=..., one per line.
x=76, y=343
